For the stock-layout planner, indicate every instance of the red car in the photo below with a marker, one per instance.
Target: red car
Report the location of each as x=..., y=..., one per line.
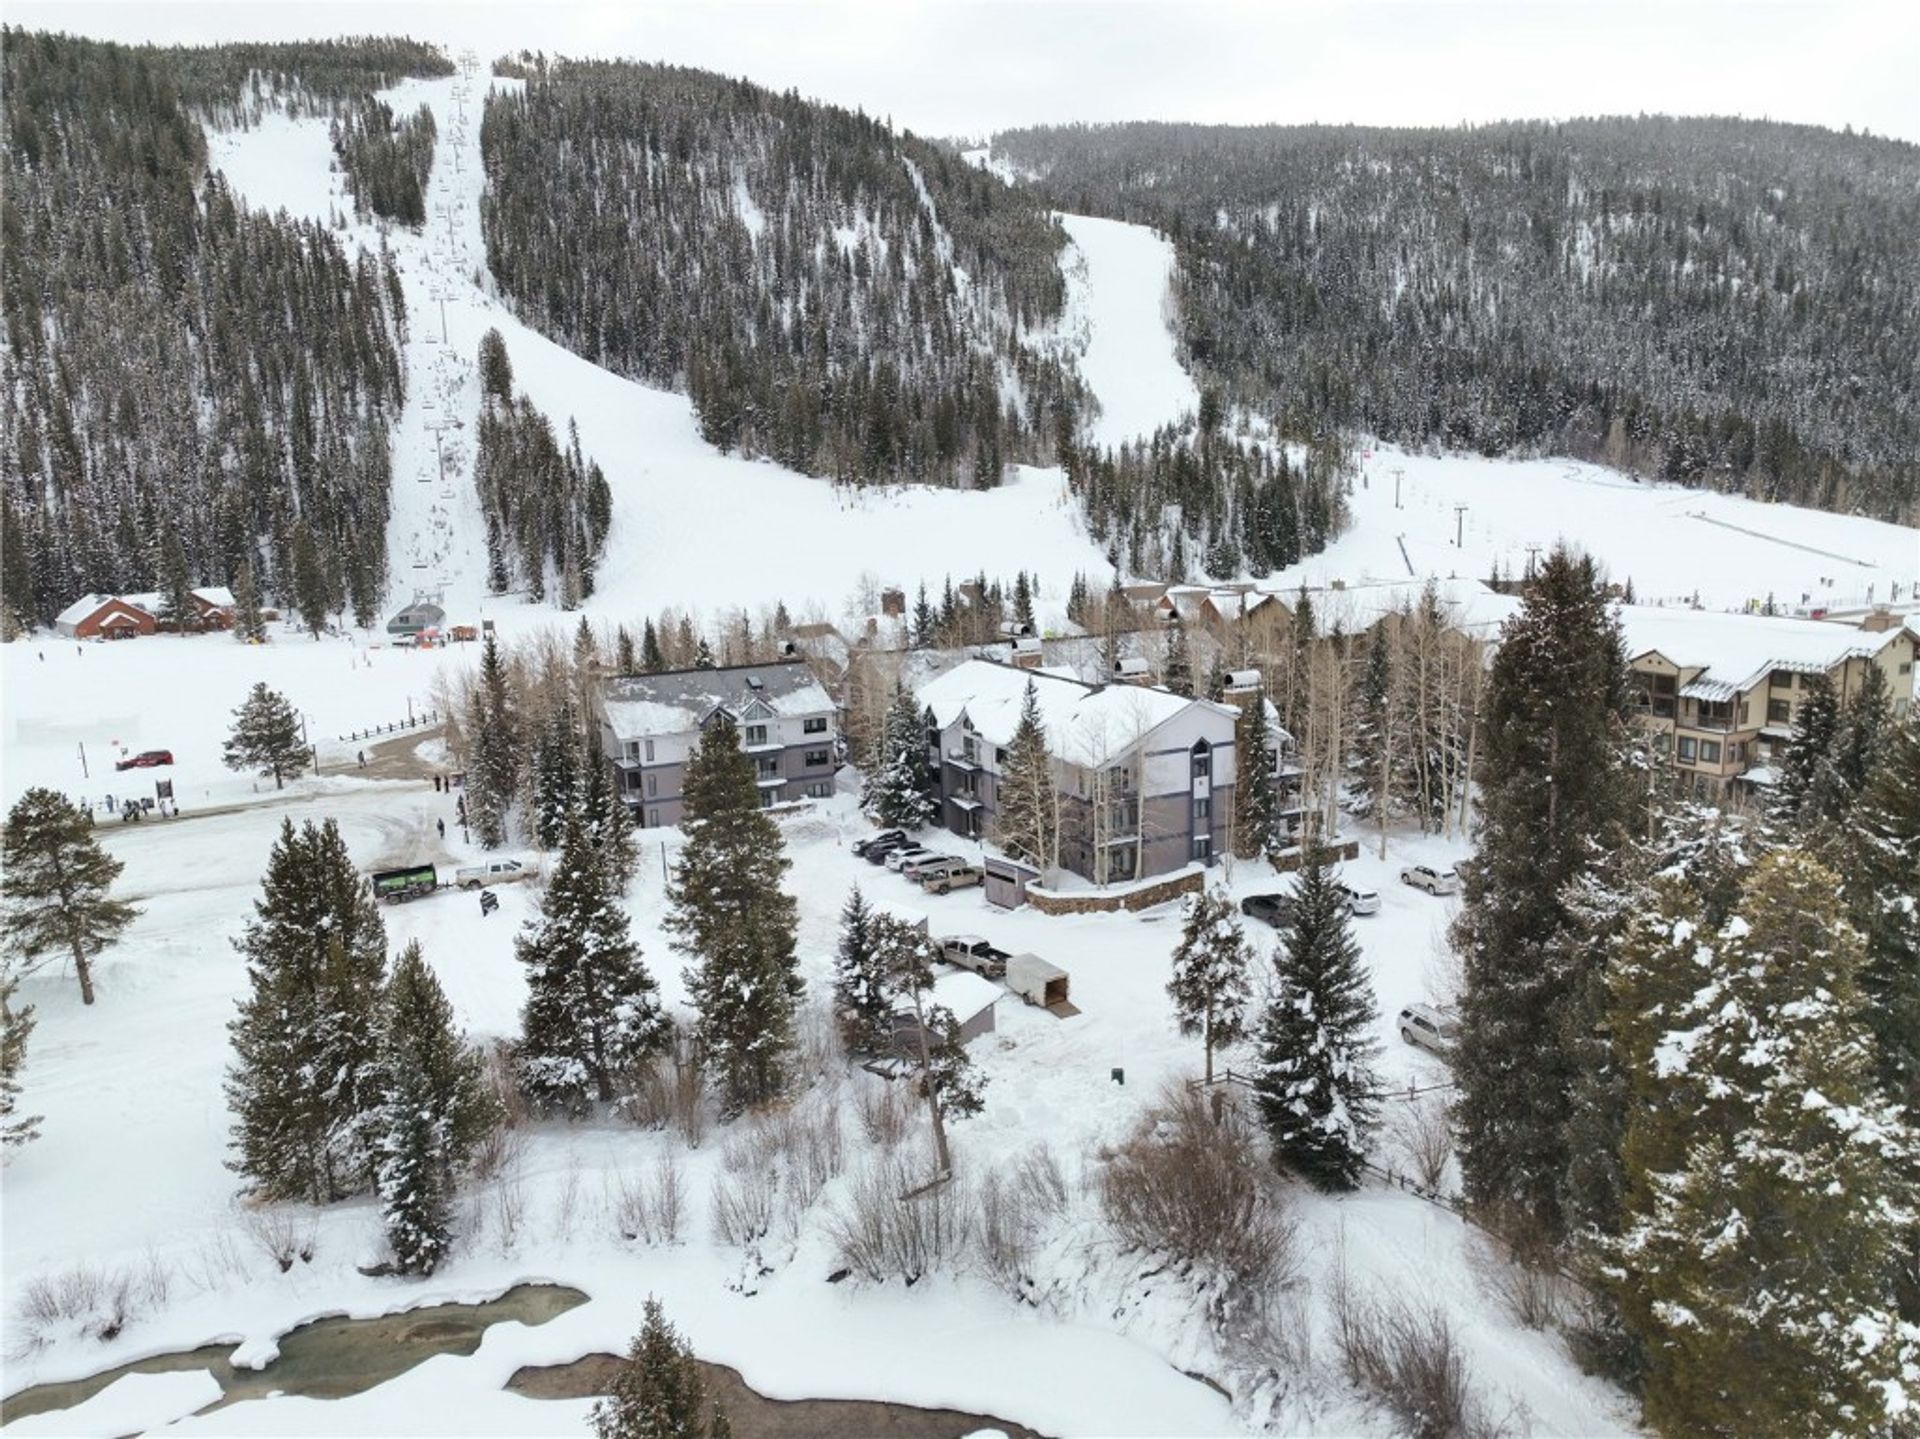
x=146, y=759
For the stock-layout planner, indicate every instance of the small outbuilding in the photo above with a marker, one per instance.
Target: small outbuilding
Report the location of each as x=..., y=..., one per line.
x=1038, y=982
x=1005, y=883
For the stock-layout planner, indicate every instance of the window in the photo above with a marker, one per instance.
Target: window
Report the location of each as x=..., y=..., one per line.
x=1736, y=752
x=1779, y=712
x=649, y=751
x=1686, y=750
x=653, y=819
x=1121, y=862
x=1715, y=712
x=1203, y=847
x=1203, y=809
x=816, y=725
x=1000, y=755
x=815, y=758
x=631, y=750
x=632, y=782
x=756, y=734
x=768, y=798
x=1906, y=667
x=1746, y=713
x=768, y=766
x=819, y=790
x=1709, y=751
x=653, y=785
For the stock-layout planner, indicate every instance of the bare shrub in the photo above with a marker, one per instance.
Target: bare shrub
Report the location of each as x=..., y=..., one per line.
x=98, y=1303
x=816, y=1153
x=742, y=1202
x=499, y=1150
x=503, y=1080
x=1421, y=1129
x=668, y=1094
x=279, y=1234
x=1526, y=1278
x=217, y=1261
x=884, y=1113
x=507, y=1208
x=879, y=1233
x=1194, y=1189
x=1039, y=1184
x=650, y=1208
x=1407, y=1358
x=817, y=1041
x=1006, y=1231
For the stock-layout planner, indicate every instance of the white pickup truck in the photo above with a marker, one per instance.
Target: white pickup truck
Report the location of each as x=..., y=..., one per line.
x=493, y=871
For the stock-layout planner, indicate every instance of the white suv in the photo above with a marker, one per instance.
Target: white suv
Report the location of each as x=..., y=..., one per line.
x=1359, y=901
x=1433, y=1030
x=1433, y=881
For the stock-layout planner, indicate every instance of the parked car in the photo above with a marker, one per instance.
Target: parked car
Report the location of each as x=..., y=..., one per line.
x=1433, y=881
x=877, y=850
x=146, y=759
x=1428, y=1028
x=957, y=876
x=1359, y=901
x=493, y=871
x=886, y=836
x=899, y=859
x=922, y=870
x=970, y=951
x=1273, y=909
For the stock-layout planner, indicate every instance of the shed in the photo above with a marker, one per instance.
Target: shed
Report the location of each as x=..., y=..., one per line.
x=1242, y=682
x=1006, y=882
x=1133, y=669
x=418, y=616
x=1036, y=981
x=971, y=1000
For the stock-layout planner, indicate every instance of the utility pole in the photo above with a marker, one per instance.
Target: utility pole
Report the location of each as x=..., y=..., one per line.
x=1459, y=525
x=84, y=773
x=1532, y=552
x=1398, y=475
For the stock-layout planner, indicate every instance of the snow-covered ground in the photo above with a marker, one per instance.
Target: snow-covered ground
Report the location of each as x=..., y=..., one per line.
x=1118, y=298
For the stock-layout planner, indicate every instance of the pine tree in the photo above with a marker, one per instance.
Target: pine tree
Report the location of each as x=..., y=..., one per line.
x=1880, y=878
x=946, y=1078
x=592, y=1013
x=1815, y=726
x=555, y=774
x=1554, y=797
x=493, y=747
x=304, y=1085
x=1315, y=1082
x=923, y=619
x=657, y=1393
x=176, y=582
x=16, y=1027
x=609, y=822
x=1023, y=602
x=1369, y=785
x=1179, y=675
x=625, y=659
x=266, y=736
x=434, y=1108
x=54, y=879
x=1029, y=805
x=248, y=627
x=1209, y=985
x=703, y=655
x=1771, y=1184
x=859, y=980
x=652, y=661
x=1256, y=803
x=898, y=790
x=1842, y=773
x=312, y=596
x=731, y=918
x=496, y=369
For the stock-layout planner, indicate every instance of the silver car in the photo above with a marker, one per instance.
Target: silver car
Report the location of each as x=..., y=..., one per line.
x=1433, y=881
x=1433, y=1030
x=1359, y=901
x=901, y=858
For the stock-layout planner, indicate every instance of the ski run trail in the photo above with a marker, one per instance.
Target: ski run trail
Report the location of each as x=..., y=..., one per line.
x=127, y=1178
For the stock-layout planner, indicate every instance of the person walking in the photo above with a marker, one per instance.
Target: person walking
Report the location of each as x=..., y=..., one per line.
x=442, y=825
x=363, y=759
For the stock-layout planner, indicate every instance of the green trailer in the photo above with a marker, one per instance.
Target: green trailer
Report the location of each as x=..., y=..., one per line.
x=397, y=886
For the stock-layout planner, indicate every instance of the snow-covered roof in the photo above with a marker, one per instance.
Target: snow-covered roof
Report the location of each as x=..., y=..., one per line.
x=681, y=700
x=1085, y=724
x=966, y=993
x=1468, y=605
x=81, y=608
x=1734, y=652
x=148, y=600
x=219, y=596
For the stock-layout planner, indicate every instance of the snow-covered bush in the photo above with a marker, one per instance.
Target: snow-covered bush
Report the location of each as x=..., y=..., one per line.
x=96, y=1303
x=1406, y=1357
x=652, y=1207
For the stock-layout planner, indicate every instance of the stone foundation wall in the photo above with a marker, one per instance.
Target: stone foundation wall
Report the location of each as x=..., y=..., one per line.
x=1143, y=896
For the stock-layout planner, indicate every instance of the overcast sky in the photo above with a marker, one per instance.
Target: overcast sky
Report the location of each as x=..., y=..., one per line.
x=952, y=69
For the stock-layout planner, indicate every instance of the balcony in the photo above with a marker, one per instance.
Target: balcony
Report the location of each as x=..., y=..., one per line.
x=960, y=759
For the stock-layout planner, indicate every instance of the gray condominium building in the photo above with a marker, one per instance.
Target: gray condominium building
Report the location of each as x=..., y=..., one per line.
x=650, y=725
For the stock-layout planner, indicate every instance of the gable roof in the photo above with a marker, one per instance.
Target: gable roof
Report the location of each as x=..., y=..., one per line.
x=82, y=607
x=681, y=700
x=1085, y=724
x=1734, y=652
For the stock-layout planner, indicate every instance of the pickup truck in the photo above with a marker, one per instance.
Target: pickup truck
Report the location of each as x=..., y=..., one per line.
x=970, y=951
x=954, y=876
x=493, y=871
x=397, y=886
